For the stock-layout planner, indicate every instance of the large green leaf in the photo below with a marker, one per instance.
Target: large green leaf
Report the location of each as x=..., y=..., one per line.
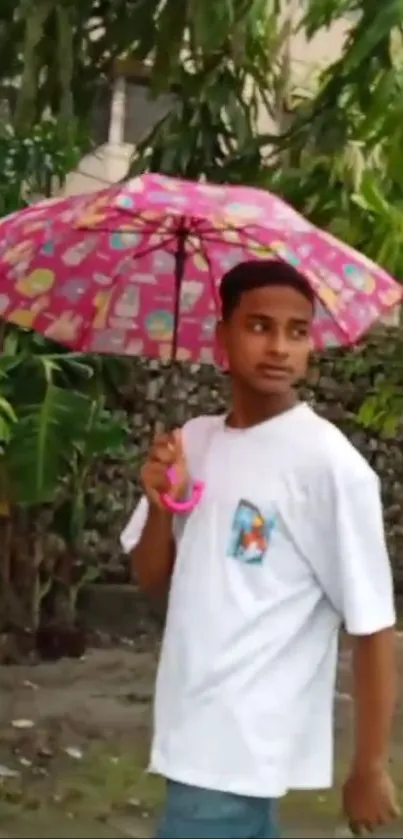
x=169, y=41
x=37, y=456
x=105, y=434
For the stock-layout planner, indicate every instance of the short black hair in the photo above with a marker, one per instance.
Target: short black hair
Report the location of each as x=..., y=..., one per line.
x=258, y=273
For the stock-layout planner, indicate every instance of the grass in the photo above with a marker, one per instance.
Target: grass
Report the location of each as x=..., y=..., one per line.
x=108, y=794
x=108, y=785
x=99, y=795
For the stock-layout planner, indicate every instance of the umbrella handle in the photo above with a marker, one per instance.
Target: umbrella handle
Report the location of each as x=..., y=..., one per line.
x=183, y=506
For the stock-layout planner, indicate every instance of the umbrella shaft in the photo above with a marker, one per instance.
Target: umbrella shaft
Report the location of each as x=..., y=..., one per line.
x=180, y=258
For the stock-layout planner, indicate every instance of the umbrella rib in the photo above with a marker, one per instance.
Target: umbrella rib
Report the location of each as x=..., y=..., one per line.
x=206, y=256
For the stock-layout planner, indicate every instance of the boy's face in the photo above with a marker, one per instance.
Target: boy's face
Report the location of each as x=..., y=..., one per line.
x=266, y=340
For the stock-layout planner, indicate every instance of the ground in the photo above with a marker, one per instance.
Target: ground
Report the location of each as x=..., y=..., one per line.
x=75, y=733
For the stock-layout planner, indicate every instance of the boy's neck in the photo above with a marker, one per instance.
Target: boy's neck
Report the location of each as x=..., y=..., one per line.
x=252, y=408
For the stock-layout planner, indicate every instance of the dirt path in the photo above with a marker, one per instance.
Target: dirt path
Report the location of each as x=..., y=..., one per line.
x=73, y=747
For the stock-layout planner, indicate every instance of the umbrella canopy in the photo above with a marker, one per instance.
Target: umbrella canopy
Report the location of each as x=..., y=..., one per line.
x=134, y=269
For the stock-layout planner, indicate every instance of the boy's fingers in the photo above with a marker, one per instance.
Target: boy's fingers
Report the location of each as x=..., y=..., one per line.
x=163, y=449
x=177, y=442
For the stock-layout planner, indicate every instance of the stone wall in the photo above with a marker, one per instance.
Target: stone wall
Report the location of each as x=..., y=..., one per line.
x=338, y=384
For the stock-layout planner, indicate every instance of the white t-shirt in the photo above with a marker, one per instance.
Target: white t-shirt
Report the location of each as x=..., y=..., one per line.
x=287, y=543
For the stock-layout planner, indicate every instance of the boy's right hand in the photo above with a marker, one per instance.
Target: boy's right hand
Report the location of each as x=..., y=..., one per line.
x=166, y=452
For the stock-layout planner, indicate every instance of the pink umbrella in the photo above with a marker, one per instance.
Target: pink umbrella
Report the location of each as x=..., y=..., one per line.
x=134, y=269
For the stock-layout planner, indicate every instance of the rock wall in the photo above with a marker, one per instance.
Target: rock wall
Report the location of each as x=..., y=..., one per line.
x=338, y=385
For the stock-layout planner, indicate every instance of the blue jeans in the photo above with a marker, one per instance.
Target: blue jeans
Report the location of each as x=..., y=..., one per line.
x=195, y=813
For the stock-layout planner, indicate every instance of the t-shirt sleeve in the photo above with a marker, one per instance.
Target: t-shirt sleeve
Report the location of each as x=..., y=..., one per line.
x=356, y=573
x=131, y=534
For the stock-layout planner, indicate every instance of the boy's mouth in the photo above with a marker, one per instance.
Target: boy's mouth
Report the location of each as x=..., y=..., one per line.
x=273, y=371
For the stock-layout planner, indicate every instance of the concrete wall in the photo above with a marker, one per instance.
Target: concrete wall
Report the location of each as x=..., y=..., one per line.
x=132, y=114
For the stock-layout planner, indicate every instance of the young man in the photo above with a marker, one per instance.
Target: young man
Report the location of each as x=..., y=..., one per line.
x=286, y=545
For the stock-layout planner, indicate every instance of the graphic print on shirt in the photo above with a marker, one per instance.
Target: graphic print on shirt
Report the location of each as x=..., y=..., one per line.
x=250, y=533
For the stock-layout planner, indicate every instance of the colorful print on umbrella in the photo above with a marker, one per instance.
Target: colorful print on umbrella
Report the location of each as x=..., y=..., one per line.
x=135, y=269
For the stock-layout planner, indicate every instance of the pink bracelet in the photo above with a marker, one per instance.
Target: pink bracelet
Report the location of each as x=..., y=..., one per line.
x=183, y=506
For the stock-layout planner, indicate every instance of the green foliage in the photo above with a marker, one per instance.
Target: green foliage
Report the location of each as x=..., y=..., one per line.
x=339, y=163
x=173, y=31
x=53, y=427
x=226, y=82
x=382, y=411
x=53, y=423
x=341, y=156
x=210, y=130
x=36, y=164
x=64, y=53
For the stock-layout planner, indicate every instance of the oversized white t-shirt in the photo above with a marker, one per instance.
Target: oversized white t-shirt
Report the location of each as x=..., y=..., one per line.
x=287, y=543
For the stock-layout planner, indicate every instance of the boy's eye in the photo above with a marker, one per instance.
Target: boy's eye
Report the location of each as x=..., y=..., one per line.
x=299, y=332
